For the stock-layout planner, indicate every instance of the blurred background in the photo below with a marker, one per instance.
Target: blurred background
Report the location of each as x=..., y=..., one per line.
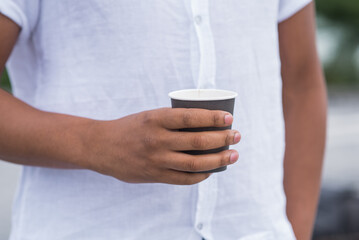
x=338, y=42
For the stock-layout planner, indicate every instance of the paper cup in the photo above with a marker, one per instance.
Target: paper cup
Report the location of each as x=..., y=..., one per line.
x=211, y=99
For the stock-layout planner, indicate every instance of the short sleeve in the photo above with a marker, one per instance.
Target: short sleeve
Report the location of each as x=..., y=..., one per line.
x=288, y=8
x=23, y=12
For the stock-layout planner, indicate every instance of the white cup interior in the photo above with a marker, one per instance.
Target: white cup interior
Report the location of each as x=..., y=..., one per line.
x=202, y=94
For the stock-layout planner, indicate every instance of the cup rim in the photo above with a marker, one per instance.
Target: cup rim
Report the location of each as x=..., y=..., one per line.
x=226, y=95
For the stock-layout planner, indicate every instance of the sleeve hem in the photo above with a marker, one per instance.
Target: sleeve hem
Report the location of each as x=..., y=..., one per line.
x=13, y=11
x=293, y=9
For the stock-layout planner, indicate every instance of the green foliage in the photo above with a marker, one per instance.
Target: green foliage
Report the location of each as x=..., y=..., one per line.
x=343, y=67
x=343, y=11
x=5, y=82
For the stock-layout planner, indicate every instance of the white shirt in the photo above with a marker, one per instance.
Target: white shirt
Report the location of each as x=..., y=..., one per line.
x=105, y=59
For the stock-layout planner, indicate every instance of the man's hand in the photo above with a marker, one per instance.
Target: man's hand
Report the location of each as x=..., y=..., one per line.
x=145, y=147
x=139, y=148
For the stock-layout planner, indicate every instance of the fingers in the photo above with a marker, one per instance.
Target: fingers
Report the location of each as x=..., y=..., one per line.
x=198, y=163
x=178, y=118
x=183, y=178
x=185, y=141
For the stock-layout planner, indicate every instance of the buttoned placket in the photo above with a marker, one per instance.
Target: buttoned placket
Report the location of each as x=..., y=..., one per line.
x=207, y=190
x=207, y=65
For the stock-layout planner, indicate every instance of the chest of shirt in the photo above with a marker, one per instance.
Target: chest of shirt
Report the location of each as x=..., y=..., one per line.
x=147, y=22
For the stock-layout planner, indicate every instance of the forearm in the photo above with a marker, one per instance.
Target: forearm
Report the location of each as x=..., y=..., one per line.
x=32, y=137
x=29, y=136
x=304, y=106
x=305, y=120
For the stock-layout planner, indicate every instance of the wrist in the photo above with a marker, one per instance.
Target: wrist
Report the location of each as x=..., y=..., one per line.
x=65, y=141
x=81, y=142
x=91, y=138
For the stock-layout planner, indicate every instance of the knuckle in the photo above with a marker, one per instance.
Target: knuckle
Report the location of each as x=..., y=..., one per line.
x=150, y=142
x=186, y=119
x=164, y=111
x=151, y=160
x=191, y=165
x=148, y=118
x=228, y=139
x=224, y=159
x=199, y=142
x=216, y=119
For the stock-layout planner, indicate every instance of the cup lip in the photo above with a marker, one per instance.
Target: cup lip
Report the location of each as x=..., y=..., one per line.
x=229, y=95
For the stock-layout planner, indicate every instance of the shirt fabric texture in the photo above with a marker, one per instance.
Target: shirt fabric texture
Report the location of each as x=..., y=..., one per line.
x=105, y=59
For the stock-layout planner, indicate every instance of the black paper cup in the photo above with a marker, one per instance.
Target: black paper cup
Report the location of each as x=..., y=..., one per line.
x=211, y=99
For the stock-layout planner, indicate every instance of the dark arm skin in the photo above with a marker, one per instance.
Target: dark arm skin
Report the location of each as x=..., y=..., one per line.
x=138, y=148
x=305, y=110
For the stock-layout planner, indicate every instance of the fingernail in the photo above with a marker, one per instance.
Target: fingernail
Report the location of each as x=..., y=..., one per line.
x=234, y=157
x=237, y=137
x=228, y=119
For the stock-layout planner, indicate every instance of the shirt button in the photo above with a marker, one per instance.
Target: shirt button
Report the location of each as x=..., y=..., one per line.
x=198, y=19
x=199, y=226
